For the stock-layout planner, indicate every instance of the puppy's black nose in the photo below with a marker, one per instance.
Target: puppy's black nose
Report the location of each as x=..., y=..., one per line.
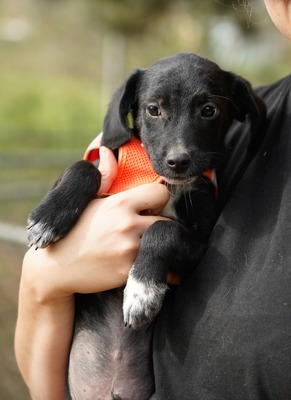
x=178, y=162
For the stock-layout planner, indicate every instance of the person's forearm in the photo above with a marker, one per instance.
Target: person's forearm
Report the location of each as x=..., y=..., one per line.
x=42, y=340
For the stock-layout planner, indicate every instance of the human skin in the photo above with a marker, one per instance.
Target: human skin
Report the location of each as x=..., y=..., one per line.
x=280, y=13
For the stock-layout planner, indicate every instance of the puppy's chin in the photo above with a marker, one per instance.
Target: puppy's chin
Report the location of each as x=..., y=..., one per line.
x=181, y=181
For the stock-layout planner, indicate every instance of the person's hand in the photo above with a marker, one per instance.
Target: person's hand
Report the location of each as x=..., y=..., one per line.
x=108, y=169
x=98, y=252
x=107, y=165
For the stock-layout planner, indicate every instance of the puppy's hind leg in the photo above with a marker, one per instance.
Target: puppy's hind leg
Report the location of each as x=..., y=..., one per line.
x=61, y=207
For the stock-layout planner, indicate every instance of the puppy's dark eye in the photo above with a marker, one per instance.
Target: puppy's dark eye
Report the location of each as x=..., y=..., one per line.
x=153, y=110
x=209, y=111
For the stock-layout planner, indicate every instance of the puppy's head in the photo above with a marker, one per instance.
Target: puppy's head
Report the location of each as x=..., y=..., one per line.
x=181, y=108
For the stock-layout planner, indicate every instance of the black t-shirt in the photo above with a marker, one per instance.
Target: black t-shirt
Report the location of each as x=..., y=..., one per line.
x=225, y=333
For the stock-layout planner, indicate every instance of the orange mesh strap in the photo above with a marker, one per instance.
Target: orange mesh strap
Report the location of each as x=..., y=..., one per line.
x=211, y=175
x=134, y=166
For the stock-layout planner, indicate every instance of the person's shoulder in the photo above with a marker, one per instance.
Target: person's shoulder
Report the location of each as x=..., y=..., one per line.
x=281, y=88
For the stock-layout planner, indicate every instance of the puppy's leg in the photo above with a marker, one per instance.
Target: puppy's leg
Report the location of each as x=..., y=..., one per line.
x=164, y=246
x=61, y=207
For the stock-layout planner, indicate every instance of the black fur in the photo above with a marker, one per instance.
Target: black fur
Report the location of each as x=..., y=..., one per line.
x=181, y=108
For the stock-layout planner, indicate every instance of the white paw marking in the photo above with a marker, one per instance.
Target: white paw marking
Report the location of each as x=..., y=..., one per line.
x=142, y=301
x=39, y=234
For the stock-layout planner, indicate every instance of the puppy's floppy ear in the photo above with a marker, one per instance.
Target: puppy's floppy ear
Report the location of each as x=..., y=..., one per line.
x=116, y=127
x=246, y=102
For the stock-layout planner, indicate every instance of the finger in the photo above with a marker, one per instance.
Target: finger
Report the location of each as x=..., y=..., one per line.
x=151, y=196
x=143, y=223
x=99, y=139
x=108, y=168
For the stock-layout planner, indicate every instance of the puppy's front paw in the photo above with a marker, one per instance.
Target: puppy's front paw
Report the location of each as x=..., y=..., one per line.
x=40, y=233
x=142, y=301
x=60, y=209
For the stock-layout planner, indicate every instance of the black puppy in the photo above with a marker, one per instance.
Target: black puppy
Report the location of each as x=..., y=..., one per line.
x=181, y=107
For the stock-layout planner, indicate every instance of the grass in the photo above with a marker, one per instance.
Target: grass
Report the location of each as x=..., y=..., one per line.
x=47, y=112
x=46, y=122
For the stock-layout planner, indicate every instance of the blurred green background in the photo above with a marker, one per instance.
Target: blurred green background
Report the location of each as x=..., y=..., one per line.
x=60, y=61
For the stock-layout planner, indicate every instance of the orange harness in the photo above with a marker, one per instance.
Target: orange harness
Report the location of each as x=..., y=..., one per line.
x=134, y=166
